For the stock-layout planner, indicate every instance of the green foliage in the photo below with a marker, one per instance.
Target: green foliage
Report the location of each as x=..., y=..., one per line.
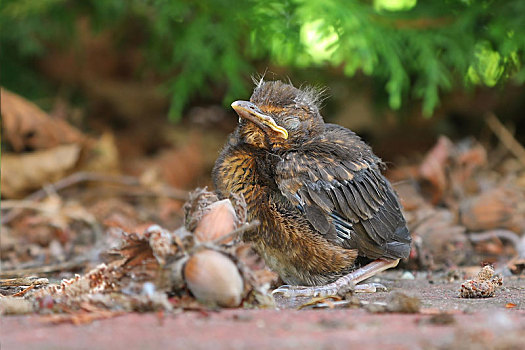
x=417, y=49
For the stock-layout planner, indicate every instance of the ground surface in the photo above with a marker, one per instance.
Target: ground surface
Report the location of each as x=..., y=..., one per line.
x=469, y=324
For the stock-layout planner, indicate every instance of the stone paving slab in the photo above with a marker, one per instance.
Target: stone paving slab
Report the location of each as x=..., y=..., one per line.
x=270, y=329
x=472, y=324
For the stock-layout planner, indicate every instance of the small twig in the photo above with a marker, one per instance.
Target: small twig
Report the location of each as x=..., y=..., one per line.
x=139, y=192
x=238, y=231
x=24, y=291
x=506, y=138
x=83, y=176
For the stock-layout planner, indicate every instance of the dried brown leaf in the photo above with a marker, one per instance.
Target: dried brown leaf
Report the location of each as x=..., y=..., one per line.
x=26, y=172
x=470, y=156
x=495, y=208
x=27, y=126
x=441, y=237
x=432, y=169
x=137, y=251
x=80, y=317
x=328, y=300
x=101, y=155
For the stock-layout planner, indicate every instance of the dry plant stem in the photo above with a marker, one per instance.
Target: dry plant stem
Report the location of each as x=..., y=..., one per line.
x=506, y=138
x=68, y=265
x=23, y=292
x=88, y=177
x=238, y=231
x=23, y=281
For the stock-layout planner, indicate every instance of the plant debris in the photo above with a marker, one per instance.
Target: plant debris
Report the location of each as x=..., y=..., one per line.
x=146, y=267
x=483, y=286
x=463, y=205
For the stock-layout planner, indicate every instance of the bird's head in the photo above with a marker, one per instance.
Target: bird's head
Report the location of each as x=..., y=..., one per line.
x=279, y=115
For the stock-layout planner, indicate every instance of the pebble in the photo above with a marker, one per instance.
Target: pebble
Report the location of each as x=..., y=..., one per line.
x=407, y=275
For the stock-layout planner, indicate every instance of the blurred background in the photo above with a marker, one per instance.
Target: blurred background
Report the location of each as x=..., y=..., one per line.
x=140, y=89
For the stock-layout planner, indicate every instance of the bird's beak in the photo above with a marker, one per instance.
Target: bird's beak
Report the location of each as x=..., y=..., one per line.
x=250, y=111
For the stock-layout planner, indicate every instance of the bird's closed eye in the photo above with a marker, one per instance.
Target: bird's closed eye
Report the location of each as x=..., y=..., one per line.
x=291, y=123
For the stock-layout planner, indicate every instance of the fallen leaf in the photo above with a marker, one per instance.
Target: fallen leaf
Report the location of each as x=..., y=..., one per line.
x=470, y=156
x=432, y=169
x=441, y=237
x=26, y=172
x=137, y=251
x=26, y=126
x=102, y=155
x=80, y=318
x=510, y=305
x=328, y=300
x=495, y=208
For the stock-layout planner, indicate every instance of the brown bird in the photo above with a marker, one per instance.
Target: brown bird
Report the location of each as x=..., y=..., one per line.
x=317, y=190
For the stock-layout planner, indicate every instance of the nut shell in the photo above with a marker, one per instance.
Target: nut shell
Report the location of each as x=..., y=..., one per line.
x=217, y=222
x=214, y=279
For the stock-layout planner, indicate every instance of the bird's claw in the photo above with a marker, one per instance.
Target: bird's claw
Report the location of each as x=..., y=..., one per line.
x=370, y=288
x=288, y=291
x=283, y=290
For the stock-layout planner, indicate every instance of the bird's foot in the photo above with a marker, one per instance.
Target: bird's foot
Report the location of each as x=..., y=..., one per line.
x=343, y=284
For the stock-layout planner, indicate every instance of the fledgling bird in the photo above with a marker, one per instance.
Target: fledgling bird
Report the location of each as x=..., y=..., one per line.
x=317, y=190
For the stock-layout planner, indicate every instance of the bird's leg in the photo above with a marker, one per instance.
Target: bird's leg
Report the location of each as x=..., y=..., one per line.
x=342, y=283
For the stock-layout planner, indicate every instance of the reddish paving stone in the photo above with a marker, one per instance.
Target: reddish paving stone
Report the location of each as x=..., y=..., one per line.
x=264, y=329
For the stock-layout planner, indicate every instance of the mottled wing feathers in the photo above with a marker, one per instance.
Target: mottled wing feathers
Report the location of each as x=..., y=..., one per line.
x=336, y=181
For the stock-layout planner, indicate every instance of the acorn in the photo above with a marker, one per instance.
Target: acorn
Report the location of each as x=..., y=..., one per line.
x=214, y=279
x=219, y=220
